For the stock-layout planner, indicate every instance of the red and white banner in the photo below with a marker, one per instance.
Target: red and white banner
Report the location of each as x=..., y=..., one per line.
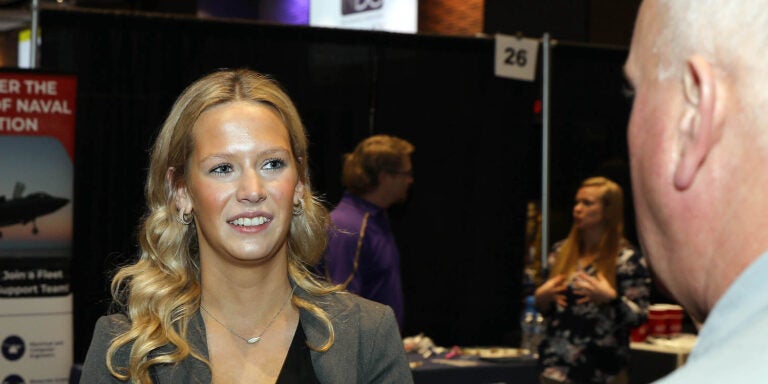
x=37, y=140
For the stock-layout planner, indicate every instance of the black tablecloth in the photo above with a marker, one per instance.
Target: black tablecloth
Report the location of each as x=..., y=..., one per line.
x=437, y=369
x=434, y=371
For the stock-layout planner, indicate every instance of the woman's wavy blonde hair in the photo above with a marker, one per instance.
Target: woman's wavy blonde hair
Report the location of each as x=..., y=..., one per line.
x=160, y=292
x=612, y=199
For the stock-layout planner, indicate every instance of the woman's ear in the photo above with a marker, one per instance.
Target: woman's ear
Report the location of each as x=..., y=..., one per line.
x=178, y=191
x=298, y=192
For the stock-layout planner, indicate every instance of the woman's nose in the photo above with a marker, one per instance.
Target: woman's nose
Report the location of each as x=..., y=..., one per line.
x=250, y=188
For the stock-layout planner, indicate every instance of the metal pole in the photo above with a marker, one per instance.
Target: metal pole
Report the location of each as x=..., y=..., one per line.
x=33, y=36
x=545, y=45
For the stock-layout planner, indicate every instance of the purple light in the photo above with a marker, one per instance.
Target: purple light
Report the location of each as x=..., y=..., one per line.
x=294, y=12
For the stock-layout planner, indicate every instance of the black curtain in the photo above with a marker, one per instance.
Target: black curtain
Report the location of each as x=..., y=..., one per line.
x=477, y=139
x=590, y=112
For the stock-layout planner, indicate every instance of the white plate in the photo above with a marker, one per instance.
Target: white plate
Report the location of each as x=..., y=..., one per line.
x=497, y=353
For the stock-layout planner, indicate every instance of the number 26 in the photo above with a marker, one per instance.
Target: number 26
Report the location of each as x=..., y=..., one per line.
x=516, y=57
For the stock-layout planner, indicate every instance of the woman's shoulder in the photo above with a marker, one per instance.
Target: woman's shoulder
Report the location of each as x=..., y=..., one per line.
x=554, y=251
x=343, y=301
x=557, y=245
x=631, y=261
x=114, y=323
x=628, y=251
x=108, y=327
x=352, y=317
x=344, y=308
x=366, y=347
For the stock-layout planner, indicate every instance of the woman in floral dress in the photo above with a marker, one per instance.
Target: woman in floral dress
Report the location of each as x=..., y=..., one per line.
x=598, y=289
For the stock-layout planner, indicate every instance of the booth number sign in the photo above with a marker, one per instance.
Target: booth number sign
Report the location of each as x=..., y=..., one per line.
x=516, y=57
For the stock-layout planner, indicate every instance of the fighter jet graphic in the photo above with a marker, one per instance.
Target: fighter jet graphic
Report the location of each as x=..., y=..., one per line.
x=22, y=210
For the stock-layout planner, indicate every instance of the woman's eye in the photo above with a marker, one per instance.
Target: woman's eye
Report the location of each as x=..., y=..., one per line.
x=274, y=164
x=222, y=169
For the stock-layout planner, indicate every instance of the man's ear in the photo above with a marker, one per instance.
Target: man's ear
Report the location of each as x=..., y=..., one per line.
x=699, y=127
x=179, y=192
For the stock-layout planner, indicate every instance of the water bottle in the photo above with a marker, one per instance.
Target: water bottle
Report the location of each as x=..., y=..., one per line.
x=527, y=324
x=532, y=327
x=539, y=330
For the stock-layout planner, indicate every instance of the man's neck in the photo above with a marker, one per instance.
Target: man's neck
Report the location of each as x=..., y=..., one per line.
x=376, y=198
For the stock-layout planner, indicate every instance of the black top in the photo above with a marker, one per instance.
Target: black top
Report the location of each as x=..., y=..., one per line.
x=297, y=368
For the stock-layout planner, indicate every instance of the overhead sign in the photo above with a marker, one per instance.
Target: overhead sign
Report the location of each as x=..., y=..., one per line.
x=382, y=15
x=516, y=57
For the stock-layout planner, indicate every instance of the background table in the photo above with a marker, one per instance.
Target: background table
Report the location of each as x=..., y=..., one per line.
x=472, y=370
x=651, y=361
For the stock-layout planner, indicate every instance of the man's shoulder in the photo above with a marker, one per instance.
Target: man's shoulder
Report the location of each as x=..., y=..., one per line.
x=346, y=207
x=346, y=212
x=348, y=216
x=729, y=364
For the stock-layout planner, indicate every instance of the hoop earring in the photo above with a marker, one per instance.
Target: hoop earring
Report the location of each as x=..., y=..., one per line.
x=184, y=218
x=298, y=208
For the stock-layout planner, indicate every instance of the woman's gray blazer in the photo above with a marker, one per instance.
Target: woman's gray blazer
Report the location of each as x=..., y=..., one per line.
x=368, y=347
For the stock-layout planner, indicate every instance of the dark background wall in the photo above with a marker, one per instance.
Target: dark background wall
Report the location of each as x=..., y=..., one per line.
x=607, y=22
x=601, y=22
x=478, y=144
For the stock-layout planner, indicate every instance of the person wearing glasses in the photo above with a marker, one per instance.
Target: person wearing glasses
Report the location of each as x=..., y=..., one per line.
x=362, y=254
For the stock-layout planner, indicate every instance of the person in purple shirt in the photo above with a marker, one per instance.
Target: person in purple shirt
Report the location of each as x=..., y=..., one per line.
x=362, y=253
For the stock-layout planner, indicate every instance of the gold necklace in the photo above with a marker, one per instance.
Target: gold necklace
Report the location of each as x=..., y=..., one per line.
x=252, y=340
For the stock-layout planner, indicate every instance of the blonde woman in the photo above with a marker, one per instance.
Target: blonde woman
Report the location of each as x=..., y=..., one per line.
x=221, y=290
x=598, y=289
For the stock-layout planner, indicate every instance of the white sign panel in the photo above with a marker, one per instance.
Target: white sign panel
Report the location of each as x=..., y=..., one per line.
x=516, y=57
x=382, y=15
x=36, y=340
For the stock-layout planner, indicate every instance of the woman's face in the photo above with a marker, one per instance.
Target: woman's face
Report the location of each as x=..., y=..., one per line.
x=588, y=208
x=243, y=181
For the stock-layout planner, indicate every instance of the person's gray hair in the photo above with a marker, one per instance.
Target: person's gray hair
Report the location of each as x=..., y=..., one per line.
x=733, y=35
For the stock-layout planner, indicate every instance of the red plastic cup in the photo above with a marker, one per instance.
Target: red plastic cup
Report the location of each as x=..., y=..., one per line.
x=674, y=320
x=657, y=320
x=639, y=333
